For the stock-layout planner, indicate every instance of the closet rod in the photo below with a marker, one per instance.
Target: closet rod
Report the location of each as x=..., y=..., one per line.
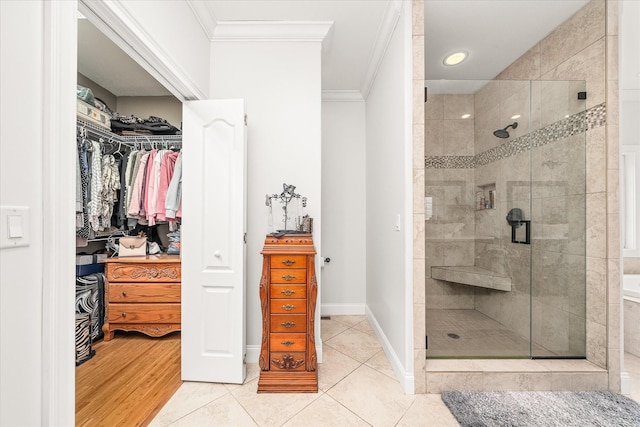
x=99, y=132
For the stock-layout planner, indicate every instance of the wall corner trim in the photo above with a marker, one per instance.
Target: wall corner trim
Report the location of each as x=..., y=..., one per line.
x=259, y=31
x=342, y=96
x=205, y=16
x=117, y=24
x=385, y=32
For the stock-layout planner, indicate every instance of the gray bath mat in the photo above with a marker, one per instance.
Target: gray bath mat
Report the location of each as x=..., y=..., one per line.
x=542, y=408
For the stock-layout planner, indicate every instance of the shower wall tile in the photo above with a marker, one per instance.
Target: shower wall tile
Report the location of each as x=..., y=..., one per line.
x=458, y=137
x=613, y=146
x=612, y=57
x=613, y=8
x=614, y=369
x=418, y=236
x=518, y=381
x=527, y=67
x=554, y=101
x=596, y=225
x=575, y=381
x=459, y=252
x=516, y=100
x=588, y=65
x=597, y=344
x=613, y=325
x=433, y=286
x=418, y=190
x=574, y=35
x=434, y=107
x=577, y=334
x=418, y=101
x=457, y=105
x=560, y=226
x=613, y=236
x=419, y=281
x=419, y=330
x=418, y=57
x=613, y=191
x=597, y=290
x=417, y=27
x=434, y=138
x=419, y=142
x=596, y=160
x=613, y=112
x=437, y=382
x=614, y=279
x=419, y=371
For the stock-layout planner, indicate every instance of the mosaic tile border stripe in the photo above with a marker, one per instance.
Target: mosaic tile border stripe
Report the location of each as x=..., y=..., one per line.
x=578, y=123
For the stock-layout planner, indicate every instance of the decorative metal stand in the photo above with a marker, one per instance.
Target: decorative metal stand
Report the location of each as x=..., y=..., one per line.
x=285, y=198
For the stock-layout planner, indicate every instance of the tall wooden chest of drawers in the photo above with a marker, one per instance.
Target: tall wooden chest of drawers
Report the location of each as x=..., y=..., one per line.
x=288, y=290
x=142, y=294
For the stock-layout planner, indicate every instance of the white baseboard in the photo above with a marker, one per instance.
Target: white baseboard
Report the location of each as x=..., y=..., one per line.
x=406, y=378
x=342, y=309
x=253, y=353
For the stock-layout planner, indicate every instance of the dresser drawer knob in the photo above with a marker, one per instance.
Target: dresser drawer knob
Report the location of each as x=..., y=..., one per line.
x=288, y=292
x=288, y=277
x=288, y=261
x=124, y=294
x=124, y=314
x=288, y=307
x=287, y=343
x=288, y=324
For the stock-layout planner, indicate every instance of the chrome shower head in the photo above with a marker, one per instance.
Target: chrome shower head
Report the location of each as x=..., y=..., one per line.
x=502, y=133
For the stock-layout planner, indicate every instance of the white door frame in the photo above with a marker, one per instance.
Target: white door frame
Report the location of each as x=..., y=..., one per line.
x=60, y=78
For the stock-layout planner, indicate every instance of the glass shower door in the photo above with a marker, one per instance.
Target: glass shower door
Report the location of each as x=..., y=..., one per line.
x=558, y=199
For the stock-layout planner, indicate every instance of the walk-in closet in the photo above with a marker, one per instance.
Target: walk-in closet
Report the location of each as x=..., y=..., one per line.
x=128, y=223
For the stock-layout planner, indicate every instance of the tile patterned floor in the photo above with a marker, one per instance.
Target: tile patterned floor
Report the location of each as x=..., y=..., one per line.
x=357, y=388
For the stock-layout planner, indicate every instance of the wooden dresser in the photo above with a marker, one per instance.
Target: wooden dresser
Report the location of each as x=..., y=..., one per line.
x=142, y=294
x=288, y=290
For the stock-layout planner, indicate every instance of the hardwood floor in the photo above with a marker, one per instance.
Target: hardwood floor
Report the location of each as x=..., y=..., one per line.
x=128, y=380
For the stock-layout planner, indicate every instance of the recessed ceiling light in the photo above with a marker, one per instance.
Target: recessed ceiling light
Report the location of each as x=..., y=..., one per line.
x=455, y=58
x=465, y=116
x=516, y=116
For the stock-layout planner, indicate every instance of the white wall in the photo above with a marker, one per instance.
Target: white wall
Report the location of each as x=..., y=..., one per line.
x=343, y=206
x=166, y=34
x=280, y=82
x=21, y=78
x=389, y=189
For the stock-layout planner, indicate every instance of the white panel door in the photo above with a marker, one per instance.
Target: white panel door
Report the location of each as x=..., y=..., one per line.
x=213, y=241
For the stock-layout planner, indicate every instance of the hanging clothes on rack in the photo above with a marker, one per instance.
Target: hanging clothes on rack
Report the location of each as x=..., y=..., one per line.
x=110, y=185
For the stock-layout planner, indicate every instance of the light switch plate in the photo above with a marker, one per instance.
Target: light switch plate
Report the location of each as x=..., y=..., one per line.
x=14, y=221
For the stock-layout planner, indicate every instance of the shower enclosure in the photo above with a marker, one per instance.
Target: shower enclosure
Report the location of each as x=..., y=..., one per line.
x=505, y=203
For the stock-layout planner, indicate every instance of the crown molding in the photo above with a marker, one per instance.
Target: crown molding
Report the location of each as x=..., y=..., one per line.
x=342, y=96
x=260, y=31
x=205, y=16
x=385, y=32
x=116, y=22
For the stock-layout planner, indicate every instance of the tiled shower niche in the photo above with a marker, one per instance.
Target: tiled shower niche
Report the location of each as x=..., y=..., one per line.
x=538, y=174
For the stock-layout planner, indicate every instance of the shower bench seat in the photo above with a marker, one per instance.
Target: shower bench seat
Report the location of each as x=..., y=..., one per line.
x=472, y=276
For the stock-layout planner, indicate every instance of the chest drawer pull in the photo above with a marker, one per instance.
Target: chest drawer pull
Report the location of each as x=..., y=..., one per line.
x=288, y=277
x=124, y=314
x=288, y=324
x=124, y=294
x=288, y=343
x=288, y=262
x=288, y=292
x=288, y=307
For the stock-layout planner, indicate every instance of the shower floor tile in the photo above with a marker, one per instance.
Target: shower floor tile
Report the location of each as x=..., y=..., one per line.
x=469, y=333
